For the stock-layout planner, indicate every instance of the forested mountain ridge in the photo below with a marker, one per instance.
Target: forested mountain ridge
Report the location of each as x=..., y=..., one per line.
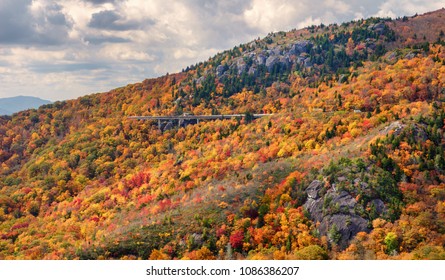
x=350, y=166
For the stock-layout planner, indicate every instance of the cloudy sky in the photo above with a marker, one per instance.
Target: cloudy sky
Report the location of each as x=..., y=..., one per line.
x=60, y=50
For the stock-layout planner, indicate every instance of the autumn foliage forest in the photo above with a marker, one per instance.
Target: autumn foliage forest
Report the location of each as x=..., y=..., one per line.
x=358, y=113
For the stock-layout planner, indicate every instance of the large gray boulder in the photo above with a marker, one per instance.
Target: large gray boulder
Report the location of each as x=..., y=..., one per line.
x=313, y=189
x=334, y=212
x=261, y=59
x=220, y=70
x=378, y=27
x=276, y=51
x=252, y=71
x=272, y=61
x=285, y=60
x=299, y=47
x=307, y=62
x=241, y=65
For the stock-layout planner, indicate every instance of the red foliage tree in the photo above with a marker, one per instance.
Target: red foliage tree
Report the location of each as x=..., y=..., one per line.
x=236, y=239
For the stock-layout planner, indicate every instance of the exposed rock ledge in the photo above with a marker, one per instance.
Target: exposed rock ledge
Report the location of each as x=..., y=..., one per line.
x=334, y=212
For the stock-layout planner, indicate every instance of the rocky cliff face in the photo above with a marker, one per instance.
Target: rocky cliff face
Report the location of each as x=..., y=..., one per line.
x=335, y=212
x=280, y=56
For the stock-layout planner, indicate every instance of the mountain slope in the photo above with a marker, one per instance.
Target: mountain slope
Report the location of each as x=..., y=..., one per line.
x=16, y=104
x=350, y=164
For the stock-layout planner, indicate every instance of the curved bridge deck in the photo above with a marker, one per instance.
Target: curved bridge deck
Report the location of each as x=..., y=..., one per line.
x=167, y=122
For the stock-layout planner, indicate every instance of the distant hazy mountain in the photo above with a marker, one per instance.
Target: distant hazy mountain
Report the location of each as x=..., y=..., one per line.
x=4, y=112
x=11, y=105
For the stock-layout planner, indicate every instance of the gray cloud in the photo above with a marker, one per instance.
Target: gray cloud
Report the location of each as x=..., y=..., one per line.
x=98, y=2
x=219, y=24
x=18, y=25
x=100, y=39
x=104, y=19
x=66, y=67
x=111, y=20
x=51, y=25
x=58, y=19
x=14, y=26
